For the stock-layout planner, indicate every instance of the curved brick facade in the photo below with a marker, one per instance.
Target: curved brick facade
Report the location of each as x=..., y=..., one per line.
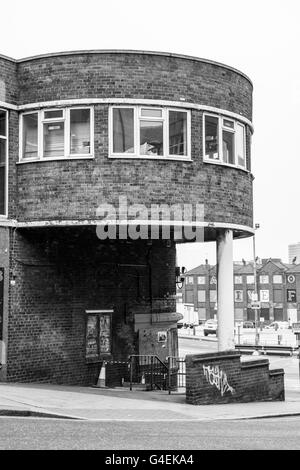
x=51, y=190
x=56, y=277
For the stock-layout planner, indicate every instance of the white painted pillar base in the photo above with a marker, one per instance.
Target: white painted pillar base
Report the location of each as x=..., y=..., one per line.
x=225, y=290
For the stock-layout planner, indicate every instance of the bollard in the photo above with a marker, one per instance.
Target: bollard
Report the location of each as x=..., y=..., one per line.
x=279, y=339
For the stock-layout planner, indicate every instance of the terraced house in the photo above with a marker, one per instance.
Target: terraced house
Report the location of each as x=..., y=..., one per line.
x=277, y=286
x=85, y=130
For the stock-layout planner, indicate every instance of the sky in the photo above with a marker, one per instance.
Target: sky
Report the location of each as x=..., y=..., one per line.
x=260, y=38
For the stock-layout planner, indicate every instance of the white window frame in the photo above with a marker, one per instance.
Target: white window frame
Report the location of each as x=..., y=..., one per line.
x=221, y=127
x=203, y=293
x=247, y=279
x=237, y=276
x=190, y=280
x=137, y=118
x=67, y=138
x=203, y=280
x=6, y=139
x=264, y=295
x=264, y=279
x=277, y=282
x=236, y=299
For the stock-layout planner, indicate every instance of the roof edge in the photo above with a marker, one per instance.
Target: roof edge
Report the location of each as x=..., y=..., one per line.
x=128, y=51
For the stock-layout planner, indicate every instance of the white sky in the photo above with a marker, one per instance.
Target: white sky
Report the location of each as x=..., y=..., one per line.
x=260, y=38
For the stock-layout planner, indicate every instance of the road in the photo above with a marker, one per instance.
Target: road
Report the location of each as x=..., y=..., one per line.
x=38, y=433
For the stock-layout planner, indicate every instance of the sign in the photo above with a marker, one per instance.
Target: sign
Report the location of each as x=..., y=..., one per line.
x=291, y=295
x=255, y=305
x=291, y=278
x=296, y=327
x=1, y=301
x=162, y=336
x=98, y=334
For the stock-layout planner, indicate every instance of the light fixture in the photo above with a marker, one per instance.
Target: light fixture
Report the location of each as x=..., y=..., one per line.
x=179, y=276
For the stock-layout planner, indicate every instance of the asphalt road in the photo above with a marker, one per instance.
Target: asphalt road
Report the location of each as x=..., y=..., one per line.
x=52, y=434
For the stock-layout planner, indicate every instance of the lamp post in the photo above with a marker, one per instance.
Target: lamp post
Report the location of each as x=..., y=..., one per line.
x=255, y=296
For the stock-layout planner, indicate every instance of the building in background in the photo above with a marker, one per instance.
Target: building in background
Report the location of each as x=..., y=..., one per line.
x=294, y=253
x=278, y=287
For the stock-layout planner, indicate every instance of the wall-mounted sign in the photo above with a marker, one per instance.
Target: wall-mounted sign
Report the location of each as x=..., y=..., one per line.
x=291, y=295
x=98, y=334
x=291, y=278
x=162, y=336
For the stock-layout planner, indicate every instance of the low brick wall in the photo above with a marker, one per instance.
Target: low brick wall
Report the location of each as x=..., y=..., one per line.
x=222, y=378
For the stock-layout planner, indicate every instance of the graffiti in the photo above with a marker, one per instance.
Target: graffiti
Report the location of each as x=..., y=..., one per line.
x=215, y=376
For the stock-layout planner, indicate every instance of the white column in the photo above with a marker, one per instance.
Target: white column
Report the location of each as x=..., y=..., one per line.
x=225, y=290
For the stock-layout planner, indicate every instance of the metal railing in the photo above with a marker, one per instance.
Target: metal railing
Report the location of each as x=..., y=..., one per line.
x=152, y=373
x=148, y=370
x=176, y=373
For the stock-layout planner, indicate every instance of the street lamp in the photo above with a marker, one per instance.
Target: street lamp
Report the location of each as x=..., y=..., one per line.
x=255, y=296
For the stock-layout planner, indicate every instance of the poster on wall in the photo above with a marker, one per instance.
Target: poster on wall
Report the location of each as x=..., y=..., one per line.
x=104, y=334
x=92, y=350
x=98, y=334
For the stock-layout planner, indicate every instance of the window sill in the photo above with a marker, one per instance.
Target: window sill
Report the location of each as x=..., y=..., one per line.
x=40, y=160
x=236, y=167
x=150, y=157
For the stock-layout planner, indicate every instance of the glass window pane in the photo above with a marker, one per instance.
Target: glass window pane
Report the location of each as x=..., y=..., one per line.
x=3, y=123
x=228, y=123
x=123, y=130
x=80, y=131
x=151, y=138
x=54, y=145
x=2, y=175
x=211, y=137
x=228, y=147
x=240, y=145
x=56, y=113
x=177, y=133
x=150, y=112
x=30, y=136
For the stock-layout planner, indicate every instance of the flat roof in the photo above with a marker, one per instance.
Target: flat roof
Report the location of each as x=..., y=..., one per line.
x=125, y=51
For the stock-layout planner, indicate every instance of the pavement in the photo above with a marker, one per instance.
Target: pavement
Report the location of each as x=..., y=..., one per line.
x=121, y=404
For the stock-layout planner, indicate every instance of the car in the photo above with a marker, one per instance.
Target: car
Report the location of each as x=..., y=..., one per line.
x=248, y=324
x=276, y=325
x=210, y=327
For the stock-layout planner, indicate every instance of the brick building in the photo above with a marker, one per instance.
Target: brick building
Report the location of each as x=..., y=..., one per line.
x=83, y=129
x=278, y=288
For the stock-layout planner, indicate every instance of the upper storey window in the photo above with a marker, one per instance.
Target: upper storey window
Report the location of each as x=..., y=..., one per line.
x=3, y=162
x=56, y=133
x=144, y=132
x=224, y=141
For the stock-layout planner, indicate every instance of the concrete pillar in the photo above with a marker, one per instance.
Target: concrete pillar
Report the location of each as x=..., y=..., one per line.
x=225, y=290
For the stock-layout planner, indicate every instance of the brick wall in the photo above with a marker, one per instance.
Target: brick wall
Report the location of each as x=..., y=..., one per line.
x=123, y=75
x=61, y=273
x=8, y=80
x=222, y=378
x=51, y=190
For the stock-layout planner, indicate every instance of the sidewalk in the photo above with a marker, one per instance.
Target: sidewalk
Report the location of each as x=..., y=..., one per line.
x=120, y=404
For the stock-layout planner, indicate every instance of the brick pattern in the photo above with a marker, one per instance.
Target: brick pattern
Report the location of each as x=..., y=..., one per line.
x=61, y=273
x=247, y=381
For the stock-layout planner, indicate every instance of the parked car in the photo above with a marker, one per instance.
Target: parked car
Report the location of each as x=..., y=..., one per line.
x=248, y=324
x=210, y=327
x=276, y=325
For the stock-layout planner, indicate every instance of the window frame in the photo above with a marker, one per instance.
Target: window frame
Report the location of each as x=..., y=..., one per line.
x=137, y=118
x=221, y=127
x=41, y=120
x=264, y=279
x=6, y=139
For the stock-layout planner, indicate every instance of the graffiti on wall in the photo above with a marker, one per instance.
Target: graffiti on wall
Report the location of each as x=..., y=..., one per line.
x=217, y=377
